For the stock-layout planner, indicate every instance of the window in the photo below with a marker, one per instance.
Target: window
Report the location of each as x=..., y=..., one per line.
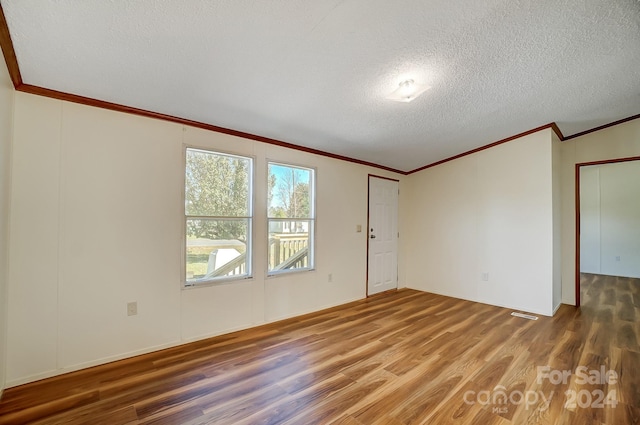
x=218, y=216
x=291, y=217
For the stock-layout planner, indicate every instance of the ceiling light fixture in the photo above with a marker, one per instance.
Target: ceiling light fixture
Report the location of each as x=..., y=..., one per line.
x=407, y=91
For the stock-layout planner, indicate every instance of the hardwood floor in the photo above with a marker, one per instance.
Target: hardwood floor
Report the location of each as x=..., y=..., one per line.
x=399, y=358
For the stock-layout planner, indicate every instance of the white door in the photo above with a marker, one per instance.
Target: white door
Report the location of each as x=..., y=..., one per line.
x=383, y=235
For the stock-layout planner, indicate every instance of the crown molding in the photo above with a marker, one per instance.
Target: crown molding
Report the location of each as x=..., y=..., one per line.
x=9, y=53
x=551, y=125
x=14, y=72
x=602, y=127
x=68, y=97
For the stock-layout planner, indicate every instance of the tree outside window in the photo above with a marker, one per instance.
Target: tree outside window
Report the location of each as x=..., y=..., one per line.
x=218, y=216
x=291, y=217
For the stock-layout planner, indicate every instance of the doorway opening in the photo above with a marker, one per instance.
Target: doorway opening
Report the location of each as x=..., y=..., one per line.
x=606, y=222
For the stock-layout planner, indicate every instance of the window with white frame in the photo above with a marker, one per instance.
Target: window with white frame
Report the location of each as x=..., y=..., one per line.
x=291, y=217
x=218, y=216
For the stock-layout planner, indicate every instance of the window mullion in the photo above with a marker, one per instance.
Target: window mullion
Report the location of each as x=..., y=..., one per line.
x=218, y=243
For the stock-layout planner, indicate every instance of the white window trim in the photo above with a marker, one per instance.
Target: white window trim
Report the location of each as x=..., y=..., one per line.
x=312, y=191
x=224, y=280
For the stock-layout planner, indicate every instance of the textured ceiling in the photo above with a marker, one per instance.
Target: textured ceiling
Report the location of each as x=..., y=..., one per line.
x=316, y=73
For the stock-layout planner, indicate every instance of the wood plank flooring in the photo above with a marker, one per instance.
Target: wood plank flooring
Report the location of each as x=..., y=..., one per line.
x=399, y=358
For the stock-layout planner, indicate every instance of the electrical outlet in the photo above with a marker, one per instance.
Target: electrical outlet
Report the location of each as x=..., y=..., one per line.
x=132, y=308
x=618, y=258
x=330, y=277
x=485, y=277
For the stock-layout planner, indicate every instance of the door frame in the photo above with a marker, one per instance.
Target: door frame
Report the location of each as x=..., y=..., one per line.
x=577, y=195
x=369, y=176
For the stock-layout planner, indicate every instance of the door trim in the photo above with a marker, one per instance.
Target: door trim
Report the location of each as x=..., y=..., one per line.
x=369, y=176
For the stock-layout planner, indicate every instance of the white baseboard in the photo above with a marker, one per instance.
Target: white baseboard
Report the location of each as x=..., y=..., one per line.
x=85, y=365
x=109, y=359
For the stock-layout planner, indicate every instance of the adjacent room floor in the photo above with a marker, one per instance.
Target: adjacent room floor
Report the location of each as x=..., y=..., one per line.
x=404, y=357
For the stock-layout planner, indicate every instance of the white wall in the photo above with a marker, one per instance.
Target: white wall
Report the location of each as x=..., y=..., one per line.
x=620, y=141
x=489, y=212
x=556, y=164
x=93, y=189
x=33, y=279
x=610, y=219
x=96, y=221
x=590, y=219
x=6, y=124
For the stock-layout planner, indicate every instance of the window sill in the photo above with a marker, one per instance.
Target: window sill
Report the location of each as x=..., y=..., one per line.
x=271, y=275
x=209, y=283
